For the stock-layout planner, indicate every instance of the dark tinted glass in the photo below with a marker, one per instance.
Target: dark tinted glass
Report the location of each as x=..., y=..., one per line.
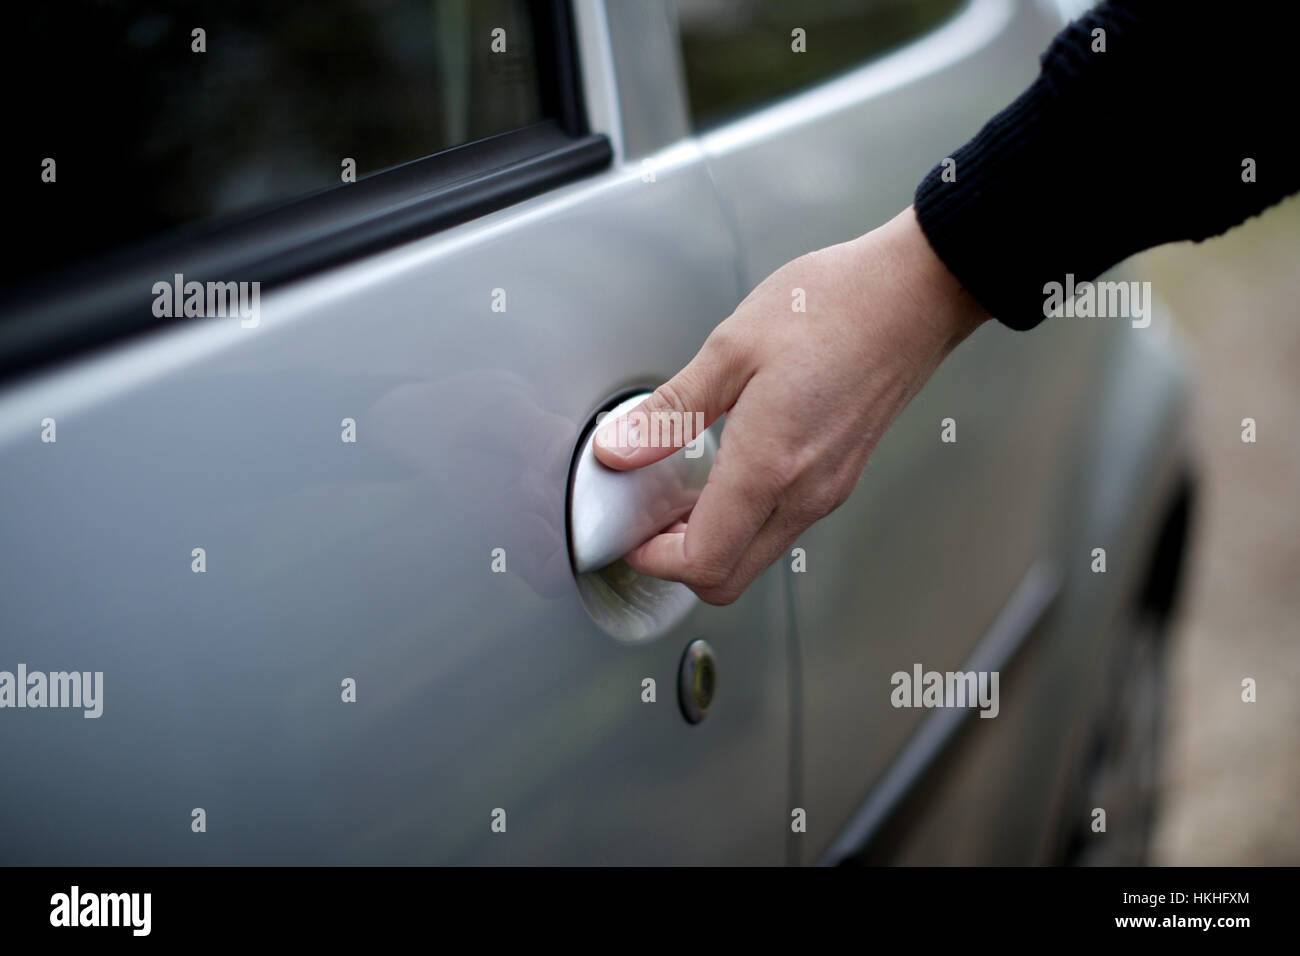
x=148, y=134
x=739, y=53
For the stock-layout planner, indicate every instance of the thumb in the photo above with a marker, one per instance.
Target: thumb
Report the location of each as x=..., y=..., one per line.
x=675, y=414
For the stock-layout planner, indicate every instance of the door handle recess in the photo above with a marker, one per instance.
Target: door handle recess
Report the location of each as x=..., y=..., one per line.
x=611, y=512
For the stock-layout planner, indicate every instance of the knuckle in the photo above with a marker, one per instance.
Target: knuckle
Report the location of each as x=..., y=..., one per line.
x=729, y=352
x=766, y=481
x=837, y=495
x=670, y=397
x=719, y=597
x=823, y=499
x=723, y=344
x=708, y=577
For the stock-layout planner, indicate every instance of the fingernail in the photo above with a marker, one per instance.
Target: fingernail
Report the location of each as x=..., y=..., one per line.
x=621, y=438
x=607, y=438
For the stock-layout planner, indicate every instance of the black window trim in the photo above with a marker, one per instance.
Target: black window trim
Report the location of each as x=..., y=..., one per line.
x=69, y=313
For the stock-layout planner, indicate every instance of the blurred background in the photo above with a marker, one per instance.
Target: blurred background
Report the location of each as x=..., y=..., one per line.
x=1232, y=770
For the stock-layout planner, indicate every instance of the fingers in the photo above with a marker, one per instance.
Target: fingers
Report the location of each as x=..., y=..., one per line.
x=776, y=536
x=739, y=499
x=677, y=412
x=664, y=556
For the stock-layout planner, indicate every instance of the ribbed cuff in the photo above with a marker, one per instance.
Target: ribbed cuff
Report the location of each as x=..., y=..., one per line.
x=1115, y=150
x=973, y=210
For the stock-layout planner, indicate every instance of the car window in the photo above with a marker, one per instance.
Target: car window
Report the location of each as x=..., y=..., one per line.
x=742, y=54
x=145, y=115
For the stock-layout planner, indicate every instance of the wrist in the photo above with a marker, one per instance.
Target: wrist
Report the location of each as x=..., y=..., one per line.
x=940, y=298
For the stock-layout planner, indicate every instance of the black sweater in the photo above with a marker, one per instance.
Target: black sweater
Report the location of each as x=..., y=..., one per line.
x=1109, y=153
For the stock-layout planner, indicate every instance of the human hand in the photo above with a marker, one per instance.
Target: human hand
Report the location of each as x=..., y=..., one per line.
x=807, y=396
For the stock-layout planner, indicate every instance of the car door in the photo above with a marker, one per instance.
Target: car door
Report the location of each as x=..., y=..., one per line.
x=310, y=550
x=957, y=520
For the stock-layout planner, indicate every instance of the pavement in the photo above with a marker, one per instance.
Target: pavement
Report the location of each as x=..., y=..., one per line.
x=1231, y=772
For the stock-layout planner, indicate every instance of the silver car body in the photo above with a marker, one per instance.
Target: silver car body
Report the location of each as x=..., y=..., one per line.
x=484, y=697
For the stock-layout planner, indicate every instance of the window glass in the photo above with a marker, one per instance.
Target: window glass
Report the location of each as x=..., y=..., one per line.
x=152, y=126
x=742, y=54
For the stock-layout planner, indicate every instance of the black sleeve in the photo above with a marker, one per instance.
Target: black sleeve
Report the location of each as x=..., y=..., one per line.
x=1112, y=152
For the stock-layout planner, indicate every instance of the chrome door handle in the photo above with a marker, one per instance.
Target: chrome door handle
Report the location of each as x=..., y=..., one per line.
x=611, y=512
